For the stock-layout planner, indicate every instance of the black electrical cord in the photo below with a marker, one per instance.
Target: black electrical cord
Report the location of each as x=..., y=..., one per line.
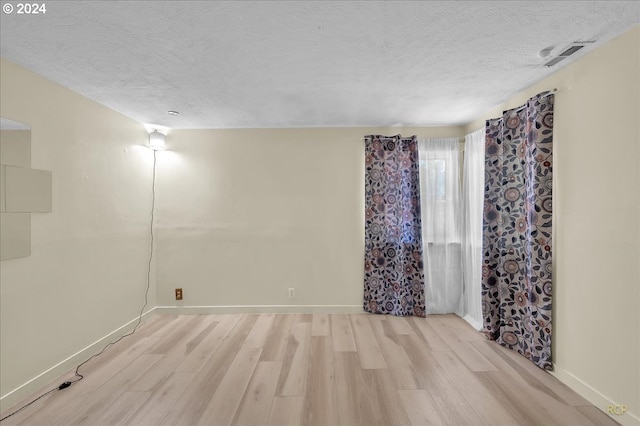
x=28, y=404
x=77, y=377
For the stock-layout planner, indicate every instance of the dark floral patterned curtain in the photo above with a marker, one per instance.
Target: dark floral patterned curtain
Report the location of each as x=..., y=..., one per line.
x=393, y=266
x=516, y=275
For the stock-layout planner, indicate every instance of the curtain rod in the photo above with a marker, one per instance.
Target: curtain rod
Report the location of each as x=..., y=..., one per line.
x=551, y=92
x=460, y=139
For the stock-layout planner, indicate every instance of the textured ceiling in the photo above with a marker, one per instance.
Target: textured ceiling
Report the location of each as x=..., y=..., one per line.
x=304, y=63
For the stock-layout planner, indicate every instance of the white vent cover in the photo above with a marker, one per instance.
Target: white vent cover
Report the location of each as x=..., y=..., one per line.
x=568, y=51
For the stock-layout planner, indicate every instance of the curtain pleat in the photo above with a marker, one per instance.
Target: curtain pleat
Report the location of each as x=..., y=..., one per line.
x=516, y=274
x=394, y=278
x=473, y=195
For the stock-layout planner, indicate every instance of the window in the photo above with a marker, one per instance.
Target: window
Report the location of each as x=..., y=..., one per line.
x=440, y=191
x=436, y=173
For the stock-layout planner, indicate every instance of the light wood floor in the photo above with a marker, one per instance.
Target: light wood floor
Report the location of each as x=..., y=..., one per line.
x=310, y=369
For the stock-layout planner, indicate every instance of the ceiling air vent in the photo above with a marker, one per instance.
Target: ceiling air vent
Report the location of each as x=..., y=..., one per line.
x=567, y=52
x=554, y=61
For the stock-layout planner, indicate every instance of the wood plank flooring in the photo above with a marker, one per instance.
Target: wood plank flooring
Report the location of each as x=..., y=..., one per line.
x=309, y=369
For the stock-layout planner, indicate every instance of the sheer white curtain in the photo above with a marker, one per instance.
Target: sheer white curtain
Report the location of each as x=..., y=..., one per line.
x=441, y=204
x=473, y=196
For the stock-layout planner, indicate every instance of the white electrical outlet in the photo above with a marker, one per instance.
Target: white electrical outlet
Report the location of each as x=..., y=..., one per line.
x=292, y=293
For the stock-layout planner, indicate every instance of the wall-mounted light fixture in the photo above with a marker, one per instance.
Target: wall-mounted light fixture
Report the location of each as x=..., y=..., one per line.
x=156, y=141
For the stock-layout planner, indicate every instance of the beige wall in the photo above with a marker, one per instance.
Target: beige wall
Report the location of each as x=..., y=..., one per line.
x=596, y=221
x=86, y=275
x=244, y=215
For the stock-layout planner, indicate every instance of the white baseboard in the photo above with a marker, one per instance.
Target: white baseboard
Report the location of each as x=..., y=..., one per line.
x=256, y=309
x=599, y=400
x=21, y=392
x=475, y=324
